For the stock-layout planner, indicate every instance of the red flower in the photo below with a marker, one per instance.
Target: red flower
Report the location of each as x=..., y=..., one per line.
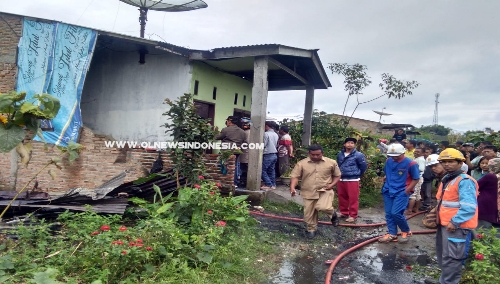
x=212, y=193
x=480, y=256
x=138, y=245
x=119, y=242
x=479, y=236
x=139, y=241
x=218, y=184
x=124, y=252
x=210, y=212
x=197, y=186
x=123, y=228
x=132, y=244
x=105, y=228
x=220, y=224
x=149, y=248
x=201, y=177
x=95, y=233
x=409, y=268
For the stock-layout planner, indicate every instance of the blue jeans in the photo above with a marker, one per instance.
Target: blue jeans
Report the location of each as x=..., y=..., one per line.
x=268, y=169
x=395, y=206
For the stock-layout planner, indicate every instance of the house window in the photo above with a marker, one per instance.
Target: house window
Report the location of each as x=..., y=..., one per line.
x=236, y=98
x=196, y=83
x=214, y=93
x=241, y=113
x=205, y=110
x=244, y=100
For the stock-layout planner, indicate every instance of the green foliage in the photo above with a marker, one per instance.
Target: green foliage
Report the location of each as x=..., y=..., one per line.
x=478, y=137
x=73, y=150
x=394, y=88
x=187, y=126
x=196, y=235
x=483, y=265
x=355, y=77
x=17, y=113
x=434, y=129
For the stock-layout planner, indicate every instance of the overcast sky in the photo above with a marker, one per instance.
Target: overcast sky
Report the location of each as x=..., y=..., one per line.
x=449, y=47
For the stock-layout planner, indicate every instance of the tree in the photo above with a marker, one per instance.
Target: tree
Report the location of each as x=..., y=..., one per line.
x=356, y=79
x=187, y=126
x=435, y=129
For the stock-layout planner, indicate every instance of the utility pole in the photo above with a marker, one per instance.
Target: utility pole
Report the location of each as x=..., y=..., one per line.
x=435, y=120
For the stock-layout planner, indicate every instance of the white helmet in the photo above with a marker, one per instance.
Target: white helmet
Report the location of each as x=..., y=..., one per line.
x=395, y=150
x=432, y=160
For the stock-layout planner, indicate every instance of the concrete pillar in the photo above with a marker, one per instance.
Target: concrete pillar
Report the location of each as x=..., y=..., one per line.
x=308, y=112
x=259, y=111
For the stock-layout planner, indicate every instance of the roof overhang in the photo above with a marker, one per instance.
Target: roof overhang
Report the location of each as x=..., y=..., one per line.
x=289, y=68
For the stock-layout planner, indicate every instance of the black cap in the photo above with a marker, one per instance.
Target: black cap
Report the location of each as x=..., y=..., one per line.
x=233, y=119
x=468, y=144
x=351, y=139
x=459, y=142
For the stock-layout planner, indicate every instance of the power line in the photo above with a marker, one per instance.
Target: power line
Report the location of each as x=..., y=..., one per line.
x=116, y=17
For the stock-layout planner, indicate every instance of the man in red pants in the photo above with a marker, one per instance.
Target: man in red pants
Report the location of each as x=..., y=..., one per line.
x=353, y=165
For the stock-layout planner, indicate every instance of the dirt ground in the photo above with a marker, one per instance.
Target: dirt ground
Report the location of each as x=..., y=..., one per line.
x=303, y=260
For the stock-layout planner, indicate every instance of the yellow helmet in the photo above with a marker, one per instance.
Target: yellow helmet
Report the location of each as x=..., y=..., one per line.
x=451, y=154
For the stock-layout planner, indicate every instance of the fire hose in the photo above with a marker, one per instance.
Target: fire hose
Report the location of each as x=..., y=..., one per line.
x=334, y=262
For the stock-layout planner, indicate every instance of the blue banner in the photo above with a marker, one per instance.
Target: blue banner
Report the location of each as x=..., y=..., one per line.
x=36, y=52
x=66, y=67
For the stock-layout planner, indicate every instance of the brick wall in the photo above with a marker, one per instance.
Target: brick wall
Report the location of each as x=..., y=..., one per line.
x=10, y=31
x=97, y=164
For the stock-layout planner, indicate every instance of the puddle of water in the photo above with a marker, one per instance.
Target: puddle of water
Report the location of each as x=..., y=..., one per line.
x=306, y=269
x=367, y=265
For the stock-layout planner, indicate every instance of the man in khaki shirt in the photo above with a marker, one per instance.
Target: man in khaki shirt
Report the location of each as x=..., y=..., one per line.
x=319, y=175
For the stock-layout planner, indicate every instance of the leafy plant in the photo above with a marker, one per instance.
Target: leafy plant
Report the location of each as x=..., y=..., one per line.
x=483, y=265
x=477, y=137
x=180, y=239
x=16, y=113
x=186, y=125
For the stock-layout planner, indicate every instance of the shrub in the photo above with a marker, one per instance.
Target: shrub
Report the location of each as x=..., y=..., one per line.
x=175, y=236
x=484, y=258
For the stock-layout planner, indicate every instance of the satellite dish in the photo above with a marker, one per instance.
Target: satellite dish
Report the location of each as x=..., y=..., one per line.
x=165, y=6
x=381, y=113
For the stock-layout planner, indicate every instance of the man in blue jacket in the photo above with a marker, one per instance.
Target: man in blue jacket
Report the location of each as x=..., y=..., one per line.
x=401, y=176
x=353, y=165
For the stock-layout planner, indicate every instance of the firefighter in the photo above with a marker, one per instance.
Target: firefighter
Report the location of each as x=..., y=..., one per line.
x=458, y=216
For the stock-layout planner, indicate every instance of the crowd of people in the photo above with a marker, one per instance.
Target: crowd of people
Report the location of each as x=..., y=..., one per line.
x=468, y=187
x=467, y=180
x=278, y=150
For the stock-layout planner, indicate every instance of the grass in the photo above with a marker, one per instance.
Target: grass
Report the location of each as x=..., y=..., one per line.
x=371, y=199
x=250, y=257
x=276, y=207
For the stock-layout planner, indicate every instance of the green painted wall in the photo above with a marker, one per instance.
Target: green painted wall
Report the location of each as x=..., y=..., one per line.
x=227, y=85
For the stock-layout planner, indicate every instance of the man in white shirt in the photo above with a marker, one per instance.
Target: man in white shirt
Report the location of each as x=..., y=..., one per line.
x=415, y=198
